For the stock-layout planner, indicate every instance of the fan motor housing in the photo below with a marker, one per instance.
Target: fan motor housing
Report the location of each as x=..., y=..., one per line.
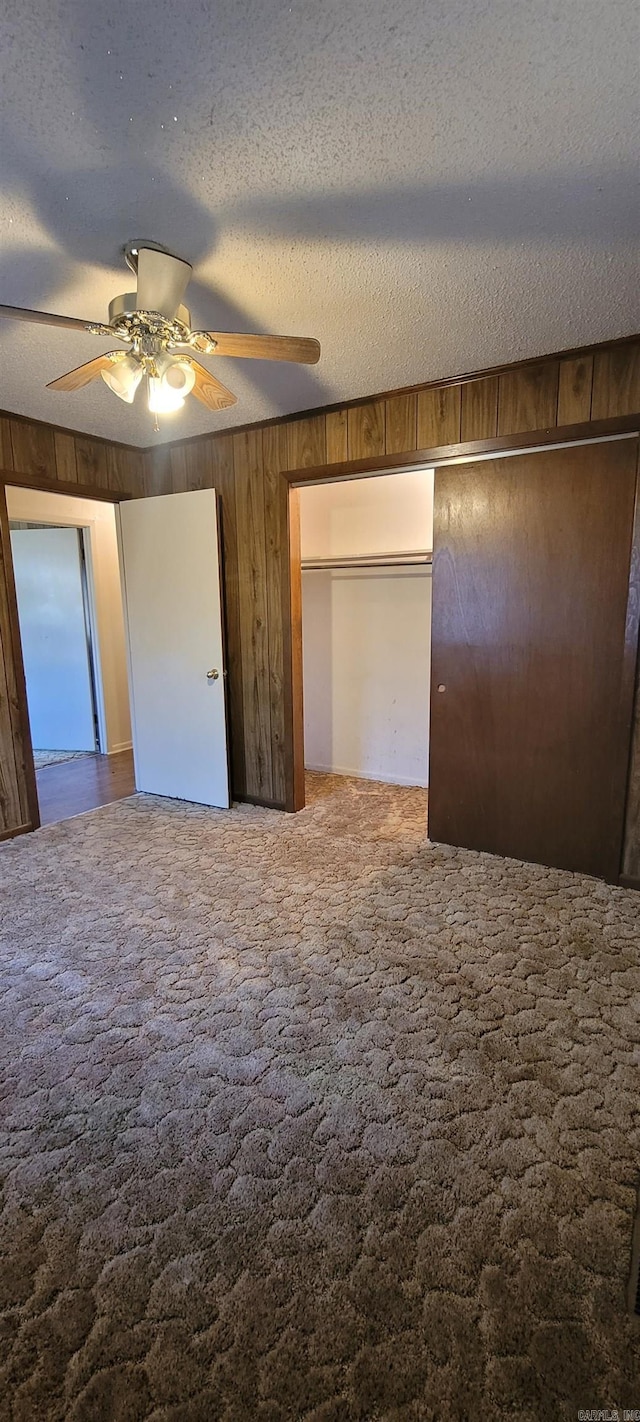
x=125, y=305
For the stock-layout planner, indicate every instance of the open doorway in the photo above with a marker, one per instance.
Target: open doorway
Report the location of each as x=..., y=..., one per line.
x=68, y=591
x=366, y=550
x=49, y=565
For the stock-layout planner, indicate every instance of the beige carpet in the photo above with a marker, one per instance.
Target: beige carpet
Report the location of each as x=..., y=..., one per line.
x=304, y=1118
x=43, y=758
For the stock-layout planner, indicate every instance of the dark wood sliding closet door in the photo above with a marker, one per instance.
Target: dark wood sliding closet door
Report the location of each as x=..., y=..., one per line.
x=534, y=655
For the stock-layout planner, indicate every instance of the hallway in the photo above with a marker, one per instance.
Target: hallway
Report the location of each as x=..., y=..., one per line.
x=85, y=783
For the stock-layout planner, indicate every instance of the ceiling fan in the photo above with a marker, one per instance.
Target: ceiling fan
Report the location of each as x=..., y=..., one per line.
x=157, y=328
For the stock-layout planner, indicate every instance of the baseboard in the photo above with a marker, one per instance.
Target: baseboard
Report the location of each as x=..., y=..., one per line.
x=363, y=775
x=12, y=833
x=122, y=746
x=255, y=800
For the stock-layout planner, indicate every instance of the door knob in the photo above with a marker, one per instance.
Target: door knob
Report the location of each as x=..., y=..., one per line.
x=213, y=674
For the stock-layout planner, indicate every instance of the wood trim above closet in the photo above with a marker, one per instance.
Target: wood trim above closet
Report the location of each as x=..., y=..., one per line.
x=454, y=453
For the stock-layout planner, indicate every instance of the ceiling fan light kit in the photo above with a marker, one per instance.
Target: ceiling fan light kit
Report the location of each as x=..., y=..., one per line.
x=170, y=386
x=156, y=326
x=123, y=377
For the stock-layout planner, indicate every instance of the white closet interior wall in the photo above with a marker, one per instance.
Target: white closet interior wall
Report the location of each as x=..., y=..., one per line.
x=367, y=631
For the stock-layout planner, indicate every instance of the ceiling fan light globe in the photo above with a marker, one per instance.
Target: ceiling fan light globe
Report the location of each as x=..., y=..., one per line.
x=180, y=377
x=123, y=378
x=162, y=399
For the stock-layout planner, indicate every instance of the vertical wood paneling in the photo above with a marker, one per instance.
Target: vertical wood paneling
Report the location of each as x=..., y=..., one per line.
x=401, y=423
x=11, y=811
x=275, y=455
x=157, y=471
x=336, y=426
x=178, y=461
x=33, y=449
x=631, y=842
x=200, y=464
x=439, y=416
x=192, y=466
x=479, y=416
x=528, y=398
x=124, y=470
x=260, y=585
x=18, y=799
x=219, y=461
x=254, y=632
x=616, y=382
x=136, y=472
x=11, y=814
x=306, y=443
x=574, y=390
x=179, y=468
x=6, y=451
x=468, y=411
x=366, y=430
x=91, y=458
x=65, y=455
x=631, y=851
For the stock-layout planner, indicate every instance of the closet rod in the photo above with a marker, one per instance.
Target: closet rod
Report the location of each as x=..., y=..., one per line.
x=419, y=558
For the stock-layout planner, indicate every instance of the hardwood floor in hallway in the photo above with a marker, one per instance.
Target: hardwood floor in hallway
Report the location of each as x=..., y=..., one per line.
x=78, y=785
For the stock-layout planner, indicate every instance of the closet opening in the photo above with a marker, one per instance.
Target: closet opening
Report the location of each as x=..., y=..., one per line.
x=366, y=551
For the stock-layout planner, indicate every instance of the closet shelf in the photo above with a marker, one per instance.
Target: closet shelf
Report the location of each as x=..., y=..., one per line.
x=416, y=558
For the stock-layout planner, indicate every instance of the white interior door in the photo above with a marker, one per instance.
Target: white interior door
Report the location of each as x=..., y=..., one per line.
x=173, y=609
x=53, y=631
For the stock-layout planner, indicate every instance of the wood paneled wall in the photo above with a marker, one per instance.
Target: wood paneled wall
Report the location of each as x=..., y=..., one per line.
x=43, y=455
x=631, y=848
x=46, y=457
x=18, y=802
x=247, y=467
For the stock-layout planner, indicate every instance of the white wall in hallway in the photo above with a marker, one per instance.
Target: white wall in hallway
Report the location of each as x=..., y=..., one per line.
x=47, y=569
x=367, y=633
x=35, y=506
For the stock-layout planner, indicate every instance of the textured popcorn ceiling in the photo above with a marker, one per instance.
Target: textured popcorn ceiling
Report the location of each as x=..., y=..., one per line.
x=427, y=186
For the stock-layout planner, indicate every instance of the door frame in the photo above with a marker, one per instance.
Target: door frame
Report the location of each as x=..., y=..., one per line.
x=23, y=747
x=291, y=481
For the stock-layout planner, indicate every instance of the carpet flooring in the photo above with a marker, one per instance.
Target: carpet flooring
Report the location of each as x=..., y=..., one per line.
x=43, y=758
x=305, y=1118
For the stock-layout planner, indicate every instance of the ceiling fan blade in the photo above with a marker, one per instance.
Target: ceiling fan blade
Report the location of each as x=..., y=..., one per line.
x=302, y=349
x=162, y=282
x=83, y=374
x=209, y=391
x=47, y=318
